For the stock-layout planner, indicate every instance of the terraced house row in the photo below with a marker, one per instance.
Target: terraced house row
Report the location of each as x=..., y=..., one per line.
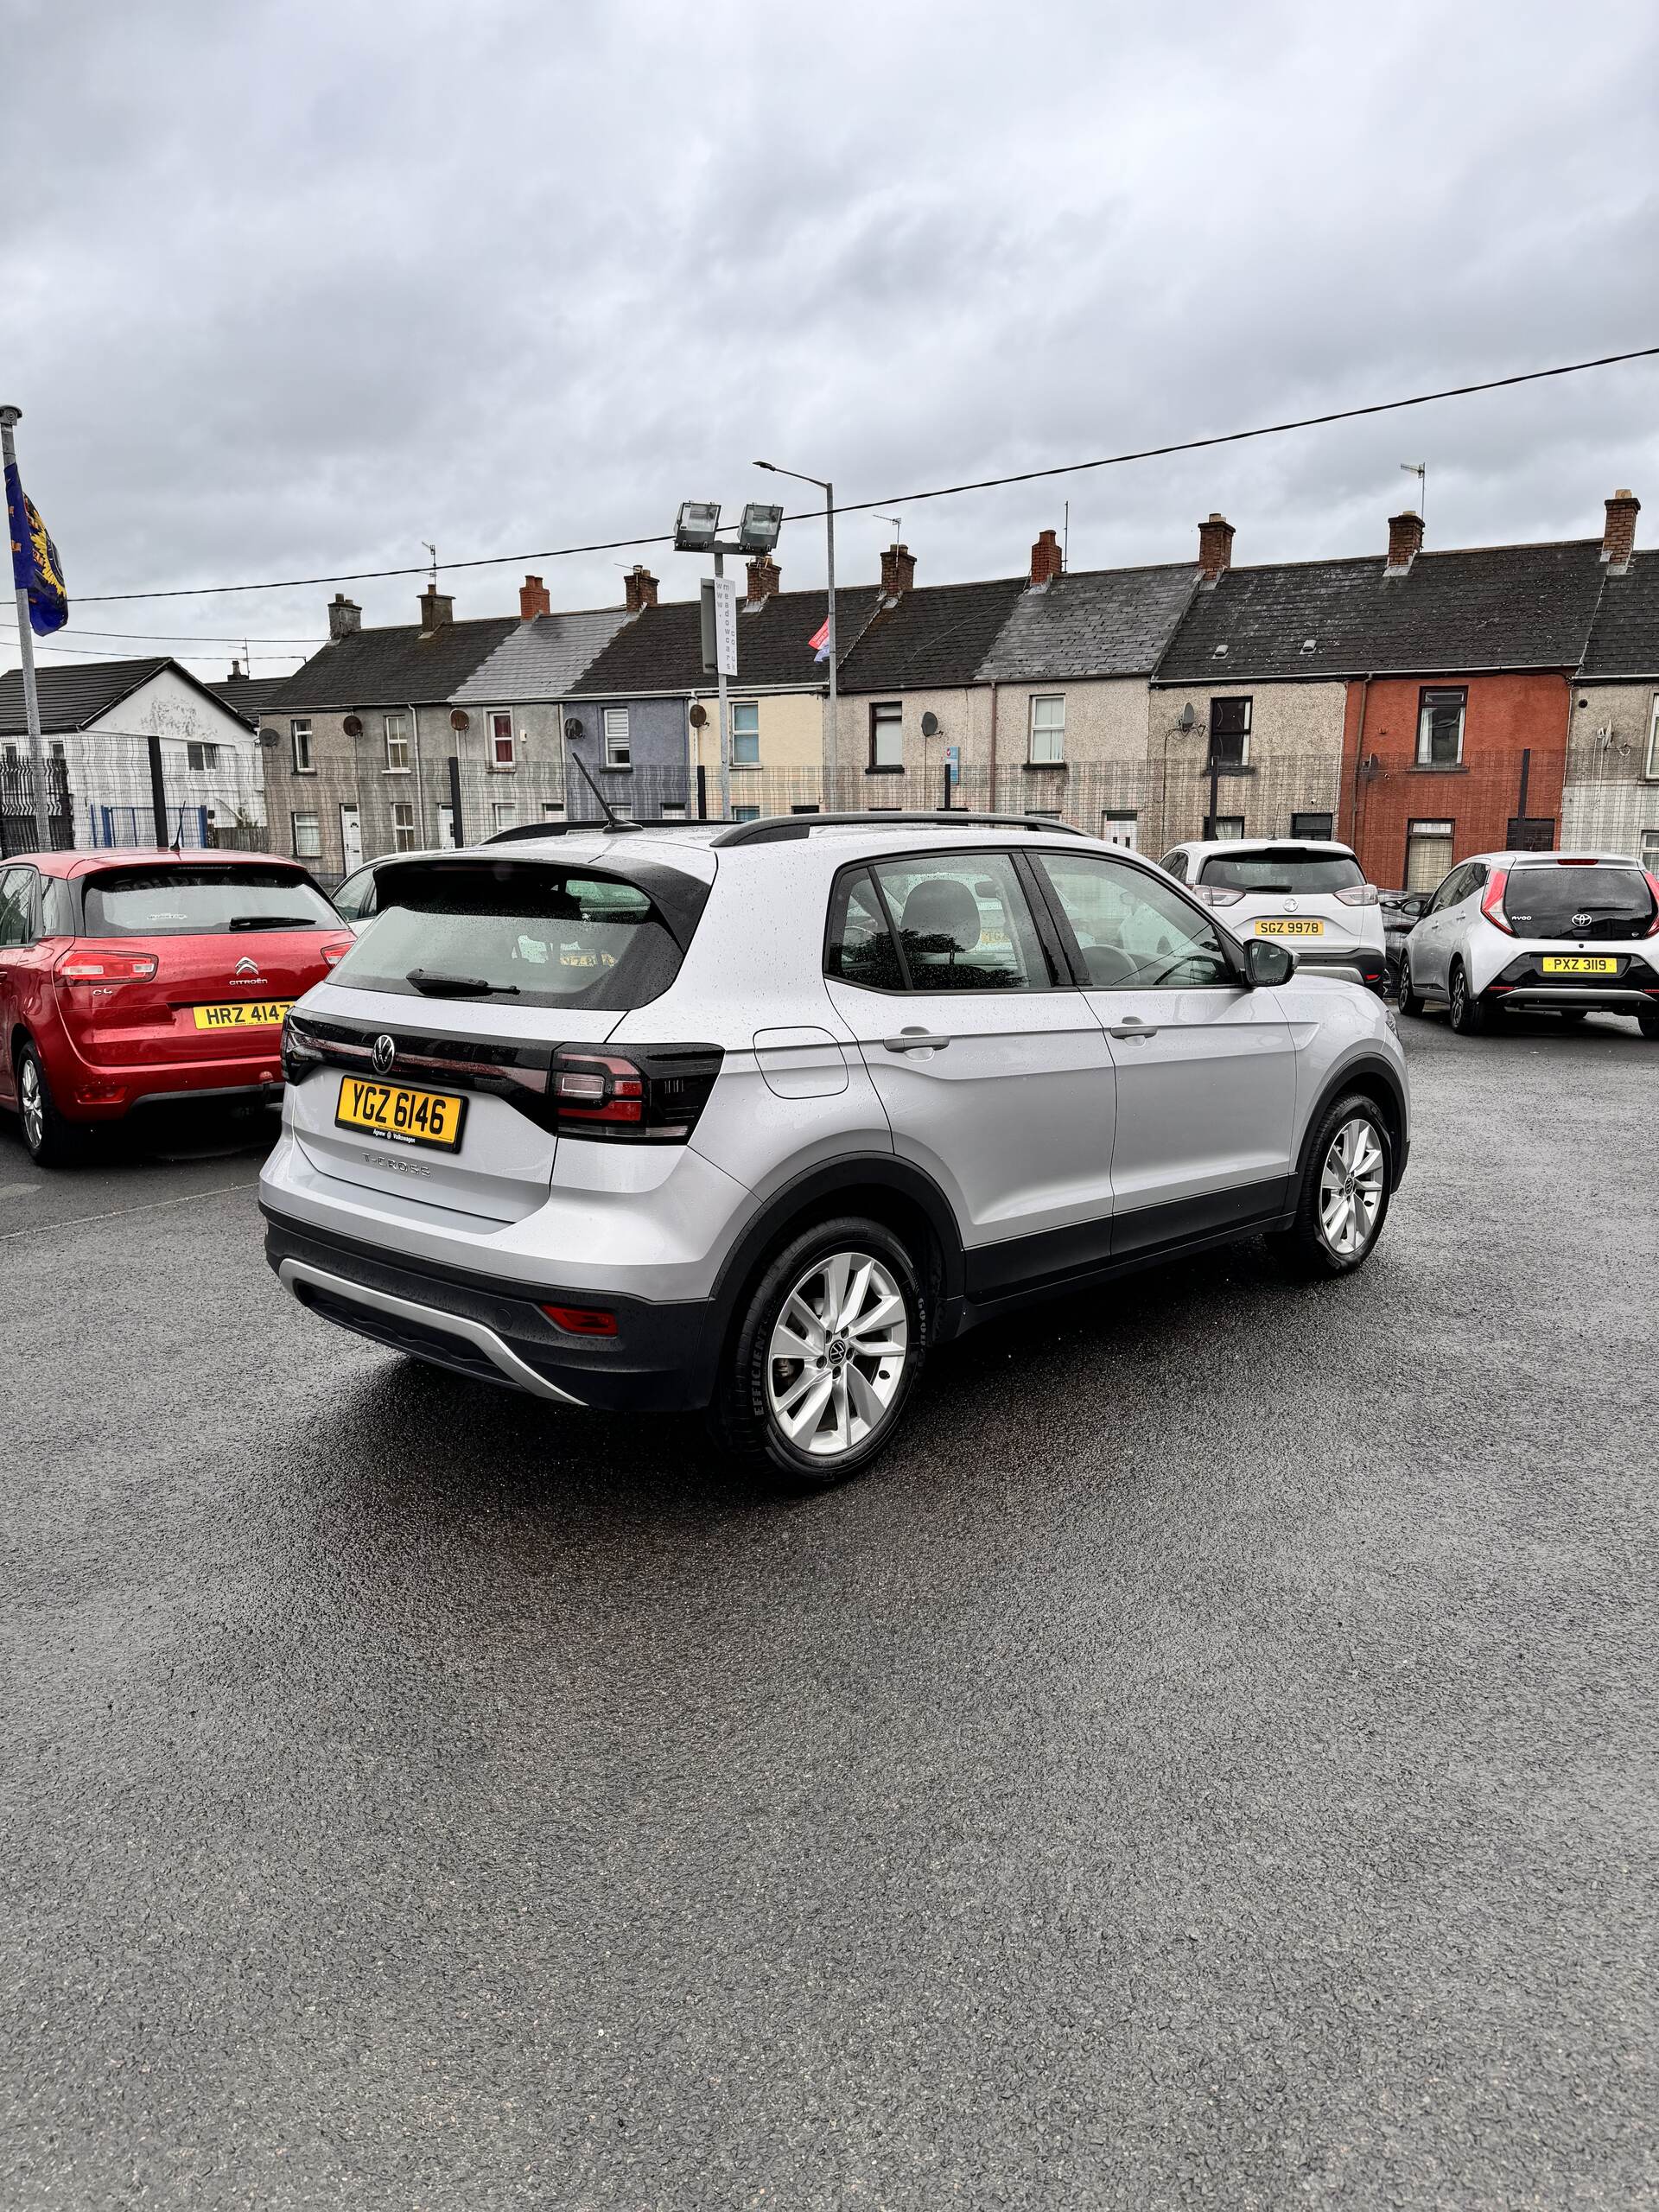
x=1421, y=705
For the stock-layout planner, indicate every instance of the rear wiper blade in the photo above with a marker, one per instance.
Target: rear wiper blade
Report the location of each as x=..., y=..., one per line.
x=458, y=987
x=273, y=922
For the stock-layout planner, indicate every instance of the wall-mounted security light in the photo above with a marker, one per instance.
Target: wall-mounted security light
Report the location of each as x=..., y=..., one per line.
x=698, y=525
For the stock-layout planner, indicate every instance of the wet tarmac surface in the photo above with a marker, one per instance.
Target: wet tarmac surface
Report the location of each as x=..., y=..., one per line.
x=1211, y=1763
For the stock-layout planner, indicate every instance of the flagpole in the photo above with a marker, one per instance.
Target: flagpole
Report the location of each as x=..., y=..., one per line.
x=9, y=416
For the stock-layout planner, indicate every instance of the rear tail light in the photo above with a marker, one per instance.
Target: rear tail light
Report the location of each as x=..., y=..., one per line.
x=581, y=1320
x=1359, y=894
x=1492, y=904
x=650, y=1096
x=334, y=953
x=1652, y=929
x=107, y=968
x=1213, y=895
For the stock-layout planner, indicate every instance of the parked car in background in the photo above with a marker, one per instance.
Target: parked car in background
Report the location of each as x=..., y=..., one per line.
x=357, y=900
x=1309, y=893
x=1565, y=933
x=747, y=1116
x=1402, y=911
x=137, y=979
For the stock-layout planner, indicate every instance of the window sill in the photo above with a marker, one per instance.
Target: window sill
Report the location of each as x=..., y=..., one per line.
x=886, y=768
x=502, y=767
x=1047, y=768
x=397, y=771
x=304, y=771
x=1437, y=768
x=616, y=768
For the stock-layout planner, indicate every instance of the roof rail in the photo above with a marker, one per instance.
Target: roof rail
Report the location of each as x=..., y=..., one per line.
x=779, y=829
x=558, y=829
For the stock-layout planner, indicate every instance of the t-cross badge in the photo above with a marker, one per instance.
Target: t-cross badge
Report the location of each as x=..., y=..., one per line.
x=748, y=1118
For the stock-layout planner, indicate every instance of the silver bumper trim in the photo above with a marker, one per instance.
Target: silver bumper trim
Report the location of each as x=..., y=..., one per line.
x=1590, y=996
x=516, y=1370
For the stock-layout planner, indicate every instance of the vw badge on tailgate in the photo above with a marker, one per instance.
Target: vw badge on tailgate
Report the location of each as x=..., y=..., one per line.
x=383, y=1054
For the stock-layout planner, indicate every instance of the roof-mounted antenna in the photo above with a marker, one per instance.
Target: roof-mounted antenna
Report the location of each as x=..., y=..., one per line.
x=1065, y=540
x=1420, y=470
x=612, y=822
x=895, y=520
x=433, y=550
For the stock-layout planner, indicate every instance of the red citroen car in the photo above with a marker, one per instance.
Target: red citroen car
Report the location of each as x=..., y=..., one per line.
x=132, y=978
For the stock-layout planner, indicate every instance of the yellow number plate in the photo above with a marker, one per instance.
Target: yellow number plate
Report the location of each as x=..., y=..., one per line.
x=396, y=1115
x=1578, y=964
x=1283, y=925
x=249, y=1013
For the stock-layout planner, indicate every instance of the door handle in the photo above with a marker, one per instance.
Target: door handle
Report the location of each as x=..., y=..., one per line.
x=1131, y=1027
x=915, y=1040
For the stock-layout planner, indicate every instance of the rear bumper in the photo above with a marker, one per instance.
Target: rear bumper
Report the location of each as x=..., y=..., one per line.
x=1369, y=962
x=1597, y=999
x=662, y=1359
x=99, y=1091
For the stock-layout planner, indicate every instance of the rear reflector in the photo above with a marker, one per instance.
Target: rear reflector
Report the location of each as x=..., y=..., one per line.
x=107, y=968
x=581, y=1320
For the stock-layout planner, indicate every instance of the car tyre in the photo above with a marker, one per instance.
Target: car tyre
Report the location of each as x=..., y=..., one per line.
x=51, y=1142
x=1572, y=1013
x=1408, y=999
x=1468, y=1014
x=826, y=1352
x=1648, y=1025
x=1344, y=1200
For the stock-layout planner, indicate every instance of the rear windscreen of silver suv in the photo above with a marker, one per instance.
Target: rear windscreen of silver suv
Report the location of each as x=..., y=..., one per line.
x=1561, y=898
x=1284, y=867
x=533, y=931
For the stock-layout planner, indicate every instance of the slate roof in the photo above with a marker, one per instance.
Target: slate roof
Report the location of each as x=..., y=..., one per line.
x=1624, y=637
x=72, y=697
x=1093, y=622
x=541, y=658
x=248, y=696
x=939, y=635
x=1512, y=606
x=401, y=665
x=661, y=649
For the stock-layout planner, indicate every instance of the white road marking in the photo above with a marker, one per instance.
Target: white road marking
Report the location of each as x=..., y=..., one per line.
x=16, y=1190
x=119, y=1213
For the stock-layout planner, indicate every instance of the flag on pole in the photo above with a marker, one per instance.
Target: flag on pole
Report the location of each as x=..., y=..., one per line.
x=818, y=643
x=35, y=567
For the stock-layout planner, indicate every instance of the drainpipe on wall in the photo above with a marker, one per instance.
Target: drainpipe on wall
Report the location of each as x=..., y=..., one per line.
x=420, y=783
x=1359, y=756
x=991, y=809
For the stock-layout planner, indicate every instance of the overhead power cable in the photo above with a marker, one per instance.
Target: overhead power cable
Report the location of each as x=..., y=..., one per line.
x=177, y=637
x=899, y=500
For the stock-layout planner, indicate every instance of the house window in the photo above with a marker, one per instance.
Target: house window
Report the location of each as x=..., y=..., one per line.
x=617, y=752
x=397, y=746
x=1653, y=738
x=746, y=814
x=504, y=813
x=552, y=810
x=299, y=736
x=1229, y=825
x=746, y=733
x=673, y=810
x=308, y=837
x=1428, y=855
x=201, y=756
x=1439, y=728
x=1650, y=851
x=1048, y=729
x=1229, y=732
x=497, y=724
x=887, y=736
x=402, y=826
x=1310, y=825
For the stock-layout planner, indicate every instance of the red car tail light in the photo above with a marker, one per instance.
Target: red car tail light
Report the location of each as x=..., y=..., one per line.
x=335, y=952
x=107, y=968
x=581, y=1320
x=650, y=1096
x=1491, y=904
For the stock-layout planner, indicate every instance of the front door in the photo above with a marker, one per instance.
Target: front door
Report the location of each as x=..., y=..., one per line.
x=445, y=828
x=351, y=839
x=994, y=1073
x=16, y=934
x=1206, y=1067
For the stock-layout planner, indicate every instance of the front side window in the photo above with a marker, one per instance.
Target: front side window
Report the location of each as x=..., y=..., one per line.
x=1439, y=728
x=299, y=736
x=499, y=725
x=1135, y=933
x=746, y=733
x=402, y=826
x=887, y=736
x=204, y=901
x=1174, y=864
x=16, y=893
x=308, y=837
x=398, y=744
x=1229, y=732
x=1428, y=855
x=618, y=749
x=1048, y=729
x=355, y=897
x=962, y=923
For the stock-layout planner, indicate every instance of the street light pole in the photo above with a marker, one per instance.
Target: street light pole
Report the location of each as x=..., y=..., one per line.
x=725, y=725
x=9, y=417
x=832, y=732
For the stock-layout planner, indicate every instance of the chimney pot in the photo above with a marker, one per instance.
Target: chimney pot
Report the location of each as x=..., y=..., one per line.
x=1619, y=538
x=898, y=569
x=1405, y=541
x=639, y=588
x=533, y=600
x=1215, y=548
x=765, y=581
x=1045, y=557
x=345, y=616
x=437, y=607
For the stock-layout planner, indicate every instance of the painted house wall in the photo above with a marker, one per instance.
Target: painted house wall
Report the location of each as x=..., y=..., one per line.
x=657, y=754
x=964, y=717
x=1505, y=716
x=108, y=765
x=1611, y=801
x=1295, y=758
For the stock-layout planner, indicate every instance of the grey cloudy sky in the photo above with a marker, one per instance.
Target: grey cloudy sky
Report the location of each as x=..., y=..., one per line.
x=288, y=289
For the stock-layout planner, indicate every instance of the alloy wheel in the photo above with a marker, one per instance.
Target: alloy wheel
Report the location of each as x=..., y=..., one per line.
x=31, y=1104
x=1350, y=1188
x=837, y=1354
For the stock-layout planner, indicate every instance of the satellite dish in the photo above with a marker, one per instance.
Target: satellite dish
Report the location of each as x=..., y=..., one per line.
x=572, y=727
x=460, y=720
x=353, y=725
x=1186, y=718
x=698, y=715
x=930, y=724
x=269, y=737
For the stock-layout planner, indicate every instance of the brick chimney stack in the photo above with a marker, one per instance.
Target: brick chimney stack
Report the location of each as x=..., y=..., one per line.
x=1618, y=539
x=533, y=600
x=764, y=581
x=898, y=569
x=639, y=588
x=1215, y=548
x=345, y=616
x=1045, y=557
x=437, y=607
x=1405, y=541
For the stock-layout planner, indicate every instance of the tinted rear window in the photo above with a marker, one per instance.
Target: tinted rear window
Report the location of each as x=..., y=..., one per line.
x=1285, y=868
x=1547, y=901
x=203, y=902
x=532, y=932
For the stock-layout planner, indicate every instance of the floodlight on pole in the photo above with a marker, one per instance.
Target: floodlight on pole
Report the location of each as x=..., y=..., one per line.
x=832, y=735
x=758, y=531
x=698, y=526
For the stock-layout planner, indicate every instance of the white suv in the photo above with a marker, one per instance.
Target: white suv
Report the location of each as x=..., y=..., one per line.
x=746, y=1117
x=1567, y=933
x=1308, y=892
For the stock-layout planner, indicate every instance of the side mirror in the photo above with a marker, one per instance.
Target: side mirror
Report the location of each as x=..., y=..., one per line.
x=1268, y=962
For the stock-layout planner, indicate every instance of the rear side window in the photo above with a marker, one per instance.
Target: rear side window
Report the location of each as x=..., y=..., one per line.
x=1284, y=867
x=860, y=947
x=203, y=901
x=1548, y=901
x=530, y=931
